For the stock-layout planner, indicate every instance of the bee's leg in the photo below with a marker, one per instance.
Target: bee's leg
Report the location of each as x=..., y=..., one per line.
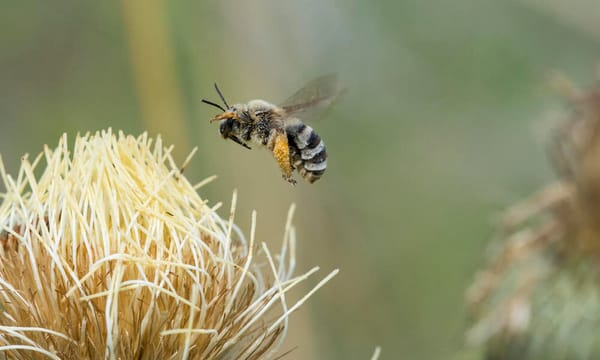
x=278, y=144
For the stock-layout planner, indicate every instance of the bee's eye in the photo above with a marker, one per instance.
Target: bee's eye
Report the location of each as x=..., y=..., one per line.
x=226, y=127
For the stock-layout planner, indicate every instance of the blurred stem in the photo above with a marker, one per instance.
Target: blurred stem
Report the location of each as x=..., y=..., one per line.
x=152, y=62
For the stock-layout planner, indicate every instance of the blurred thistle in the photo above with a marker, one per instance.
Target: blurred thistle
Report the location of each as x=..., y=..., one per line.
x=539, y=297
x=111, y=253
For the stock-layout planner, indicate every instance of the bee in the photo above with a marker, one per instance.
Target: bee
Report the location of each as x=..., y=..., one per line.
x=295, y=145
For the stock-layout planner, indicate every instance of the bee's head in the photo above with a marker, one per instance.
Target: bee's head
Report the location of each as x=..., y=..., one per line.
x=230, y=118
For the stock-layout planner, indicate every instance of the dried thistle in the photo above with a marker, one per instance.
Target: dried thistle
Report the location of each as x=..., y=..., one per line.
x=111, y=253
x=539, y=296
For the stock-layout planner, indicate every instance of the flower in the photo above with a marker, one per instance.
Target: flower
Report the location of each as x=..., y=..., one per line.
x=111, y=253
x=538, y=296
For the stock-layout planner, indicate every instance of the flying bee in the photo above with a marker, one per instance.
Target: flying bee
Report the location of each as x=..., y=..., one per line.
x=295, y=146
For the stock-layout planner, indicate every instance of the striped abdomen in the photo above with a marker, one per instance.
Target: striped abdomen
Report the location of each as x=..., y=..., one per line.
x=308, y=154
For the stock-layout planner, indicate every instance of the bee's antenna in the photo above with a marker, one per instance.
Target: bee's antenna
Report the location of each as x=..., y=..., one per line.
x=213, y=104
x=221, y=95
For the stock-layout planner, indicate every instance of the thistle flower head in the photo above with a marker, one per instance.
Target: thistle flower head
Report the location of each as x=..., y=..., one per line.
x=538, y=297
x=111, y=253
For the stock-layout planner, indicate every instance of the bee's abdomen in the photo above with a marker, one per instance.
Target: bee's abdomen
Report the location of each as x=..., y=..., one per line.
x=308, y=154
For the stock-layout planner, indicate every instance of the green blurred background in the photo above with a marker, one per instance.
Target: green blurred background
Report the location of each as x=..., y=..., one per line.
x=443, y=125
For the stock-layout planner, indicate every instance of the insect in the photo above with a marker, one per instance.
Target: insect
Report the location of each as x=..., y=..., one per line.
x=295, y=145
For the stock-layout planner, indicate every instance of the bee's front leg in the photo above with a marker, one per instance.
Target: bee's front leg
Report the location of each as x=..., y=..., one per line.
x=278, y=144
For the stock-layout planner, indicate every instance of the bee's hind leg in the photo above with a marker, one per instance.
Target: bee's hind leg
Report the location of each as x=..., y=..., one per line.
x=281, y=151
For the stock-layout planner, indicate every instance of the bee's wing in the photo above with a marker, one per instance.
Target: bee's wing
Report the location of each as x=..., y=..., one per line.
x=314, y=97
